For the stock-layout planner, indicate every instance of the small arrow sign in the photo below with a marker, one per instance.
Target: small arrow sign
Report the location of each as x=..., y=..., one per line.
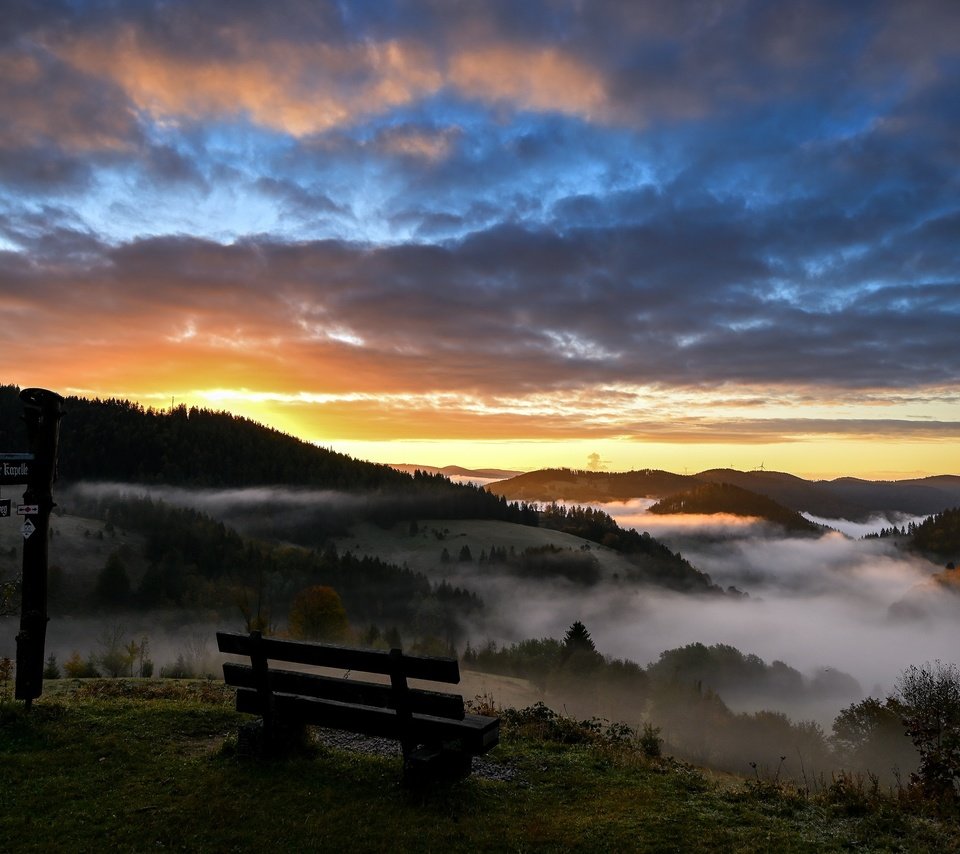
x=28, y=509
x=27, y=529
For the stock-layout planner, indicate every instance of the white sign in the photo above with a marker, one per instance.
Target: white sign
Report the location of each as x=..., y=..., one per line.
x=27, y=529
x=28, y=509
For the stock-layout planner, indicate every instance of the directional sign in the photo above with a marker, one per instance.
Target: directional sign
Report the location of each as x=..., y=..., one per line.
x=27, y=529
x=28, y=509
x=4, y=508
x=15, y=468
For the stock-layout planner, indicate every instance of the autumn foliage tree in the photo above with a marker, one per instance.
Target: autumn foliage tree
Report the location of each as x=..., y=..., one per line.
x=317, y=613
x=930, y=700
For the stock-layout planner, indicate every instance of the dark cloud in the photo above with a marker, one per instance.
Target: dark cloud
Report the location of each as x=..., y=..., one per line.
x=166, y=166
x=510, y=308
x=498, y=198
x=298, y=199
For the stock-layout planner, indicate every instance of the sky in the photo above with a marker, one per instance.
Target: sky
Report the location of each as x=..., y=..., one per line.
x=600, y=235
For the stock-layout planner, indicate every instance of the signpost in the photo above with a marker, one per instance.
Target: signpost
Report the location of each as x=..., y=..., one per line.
x=38, y=469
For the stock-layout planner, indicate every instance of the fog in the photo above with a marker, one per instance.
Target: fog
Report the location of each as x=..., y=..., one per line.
x=815, y=603
x=170, y=635
x=225, y=503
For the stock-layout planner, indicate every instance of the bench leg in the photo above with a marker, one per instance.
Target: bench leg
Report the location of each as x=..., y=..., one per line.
x=435, y=763
x=283, y=739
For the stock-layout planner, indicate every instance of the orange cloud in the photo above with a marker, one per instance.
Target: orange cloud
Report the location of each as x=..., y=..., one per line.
x=540, y=79
x=292, y=88
x=303, y=90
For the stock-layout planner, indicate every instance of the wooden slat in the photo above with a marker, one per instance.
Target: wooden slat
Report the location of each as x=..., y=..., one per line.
x=433, y=669
x=476, y=733
x=346, y=690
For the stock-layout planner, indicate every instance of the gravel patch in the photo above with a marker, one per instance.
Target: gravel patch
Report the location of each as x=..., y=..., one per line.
x=349, y=741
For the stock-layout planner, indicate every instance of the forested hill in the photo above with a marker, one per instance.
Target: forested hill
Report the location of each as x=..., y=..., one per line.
x=843, y=498
x=711, y=498
x=119, y=440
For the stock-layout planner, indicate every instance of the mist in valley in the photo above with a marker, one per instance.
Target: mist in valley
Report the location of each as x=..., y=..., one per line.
x=828, y=606
x=819, y=604
x=815, y=603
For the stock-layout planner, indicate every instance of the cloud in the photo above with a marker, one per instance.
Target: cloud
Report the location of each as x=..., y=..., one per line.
x=555, y=212
x=507, y=322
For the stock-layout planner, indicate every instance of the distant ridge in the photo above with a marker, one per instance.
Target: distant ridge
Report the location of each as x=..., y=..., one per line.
x=708, y=498
x=844, y=498
x=457, y=471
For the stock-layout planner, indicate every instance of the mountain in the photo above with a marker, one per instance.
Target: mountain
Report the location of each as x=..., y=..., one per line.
x=711, y=498
x=116, y=440
x=843, y=498
x=590, y=486
x=457, y=471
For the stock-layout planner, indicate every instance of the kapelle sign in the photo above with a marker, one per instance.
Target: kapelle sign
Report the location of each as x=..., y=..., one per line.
x=14, y=468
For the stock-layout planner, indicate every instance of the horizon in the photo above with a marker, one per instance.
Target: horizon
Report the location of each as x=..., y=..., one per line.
x=606, y=236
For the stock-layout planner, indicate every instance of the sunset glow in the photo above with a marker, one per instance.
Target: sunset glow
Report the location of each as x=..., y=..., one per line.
x=613, y=235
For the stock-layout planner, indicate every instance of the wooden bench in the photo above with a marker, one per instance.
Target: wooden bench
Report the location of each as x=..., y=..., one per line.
x=437, y=737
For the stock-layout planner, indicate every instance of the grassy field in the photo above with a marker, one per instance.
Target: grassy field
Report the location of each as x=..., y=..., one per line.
x=422, y=551
x=150, y=765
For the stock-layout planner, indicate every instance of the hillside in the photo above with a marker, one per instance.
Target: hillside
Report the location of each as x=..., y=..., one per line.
x=939, y=536
x=121, y=442
x=434, y=536
x=726, y=498
x=843, y=498
x=589, y=486
x=457, y=471
x=146, y=765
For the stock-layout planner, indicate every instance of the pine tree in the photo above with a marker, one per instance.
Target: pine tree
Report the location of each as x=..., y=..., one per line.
x=578, y=638
x=113, y=583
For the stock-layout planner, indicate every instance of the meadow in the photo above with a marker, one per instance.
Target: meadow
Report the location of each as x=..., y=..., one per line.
x=131, y=765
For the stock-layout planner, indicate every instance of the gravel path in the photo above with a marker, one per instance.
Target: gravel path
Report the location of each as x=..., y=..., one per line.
x=388, y=747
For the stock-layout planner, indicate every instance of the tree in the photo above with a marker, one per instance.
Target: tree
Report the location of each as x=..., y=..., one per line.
x=578, y=638
x=52, y=669
x=869, y=736
x=76, y=668
x=318, y=614
x=113, y=583
x=465, y=555
x=580, y=654
x=116, y=657
x=930, y=696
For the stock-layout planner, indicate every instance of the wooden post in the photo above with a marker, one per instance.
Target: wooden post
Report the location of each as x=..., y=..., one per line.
x=401, y=701
x=42, y=413
x=261, y=673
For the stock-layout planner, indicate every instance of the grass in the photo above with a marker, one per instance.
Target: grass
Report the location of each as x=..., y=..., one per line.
x=125, y=765
x=396, y=545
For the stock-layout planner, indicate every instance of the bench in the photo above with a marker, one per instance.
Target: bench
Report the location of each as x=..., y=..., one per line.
x=438, y=738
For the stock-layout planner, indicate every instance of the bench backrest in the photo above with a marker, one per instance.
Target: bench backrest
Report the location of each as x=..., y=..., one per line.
x=258, y=677
x=430, y=668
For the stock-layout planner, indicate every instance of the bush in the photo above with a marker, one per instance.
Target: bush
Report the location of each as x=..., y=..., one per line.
x=930, y=696
x=650, y=742
x=318, y=614
x=76, y=668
